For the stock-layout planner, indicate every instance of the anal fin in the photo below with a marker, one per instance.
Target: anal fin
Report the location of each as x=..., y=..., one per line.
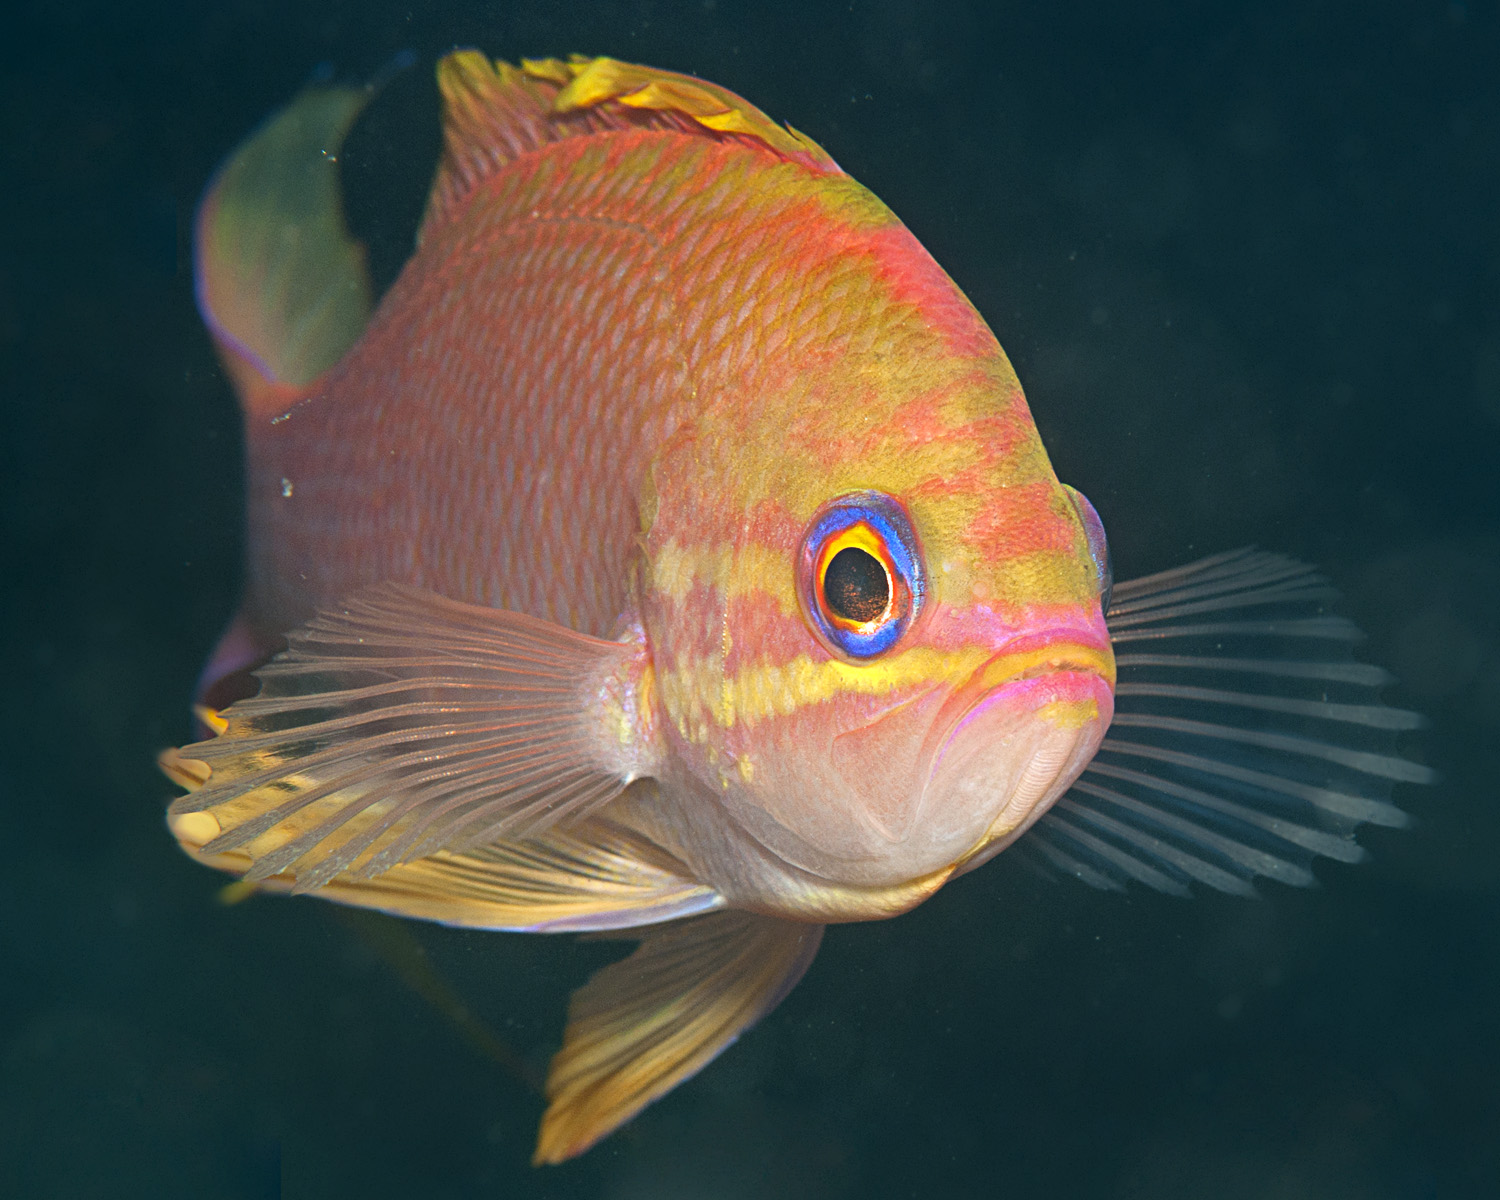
x=643, y=1025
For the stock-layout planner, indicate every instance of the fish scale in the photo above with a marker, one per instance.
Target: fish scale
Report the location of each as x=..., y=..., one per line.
x=450, y=507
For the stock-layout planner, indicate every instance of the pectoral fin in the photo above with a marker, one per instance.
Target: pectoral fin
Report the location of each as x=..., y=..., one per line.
x=402, y=724
x=641, y=1026
x=1246, y=740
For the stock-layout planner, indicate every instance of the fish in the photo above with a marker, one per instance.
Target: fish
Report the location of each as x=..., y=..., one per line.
x=671, y=555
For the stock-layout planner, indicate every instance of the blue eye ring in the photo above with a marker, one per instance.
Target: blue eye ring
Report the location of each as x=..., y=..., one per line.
x=860, y=574
x=1093, y=527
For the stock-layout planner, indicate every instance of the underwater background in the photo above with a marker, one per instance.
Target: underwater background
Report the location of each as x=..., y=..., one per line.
x=1246, y=259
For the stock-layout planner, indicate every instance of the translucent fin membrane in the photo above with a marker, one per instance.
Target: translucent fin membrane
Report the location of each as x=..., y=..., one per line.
x=641, y=1026
x=281, y=283
x=591, y=876
x=401, y=724
x=1246, y=740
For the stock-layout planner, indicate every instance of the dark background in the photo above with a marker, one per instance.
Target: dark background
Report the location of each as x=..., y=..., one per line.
x=1247, y=261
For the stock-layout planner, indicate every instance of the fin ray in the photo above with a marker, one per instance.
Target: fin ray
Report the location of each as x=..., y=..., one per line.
x=1377, y=716
x=643, y=1025
x=592, y=876
x=1308, y=628
x=359, y=755
x=1246, y=742
x=1142, y=848
x=1331, y=672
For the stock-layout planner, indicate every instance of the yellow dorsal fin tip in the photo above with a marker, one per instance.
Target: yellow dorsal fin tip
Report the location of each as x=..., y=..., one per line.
x=553, y=69
x=588, y=82
x=494, y=112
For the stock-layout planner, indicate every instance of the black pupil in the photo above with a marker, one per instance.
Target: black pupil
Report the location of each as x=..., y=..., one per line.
x=856, y=586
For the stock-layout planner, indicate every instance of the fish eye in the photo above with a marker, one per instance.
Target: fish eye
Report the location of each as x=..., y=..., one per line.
x=856, y=586
x=1098, y=545
x=860, y=574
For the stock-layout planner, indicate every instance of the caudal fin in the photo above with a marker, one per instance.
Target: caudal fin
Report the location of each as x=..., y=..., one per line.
x=281, y=283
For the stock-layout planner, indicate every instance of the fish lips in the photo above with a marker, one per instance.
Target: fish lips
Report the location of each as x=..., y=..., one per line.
x=1012, y=740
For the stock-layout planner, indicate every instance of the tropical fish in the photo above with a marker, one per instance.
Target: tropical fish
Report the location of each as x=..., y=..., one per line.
x=672, y=550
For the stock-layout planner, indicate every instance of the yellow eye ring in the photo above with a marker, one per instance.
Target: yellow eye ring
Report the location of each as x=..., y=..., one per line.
x=860, y=574
x=856, y=580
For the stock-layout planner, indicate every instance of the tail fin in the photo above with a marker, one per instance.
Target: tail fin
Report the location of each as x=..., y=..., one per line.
x=281, y=283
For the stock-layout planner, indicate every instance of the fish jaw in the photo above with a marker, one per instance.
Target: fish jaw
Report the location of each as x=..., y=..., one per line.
x=921, y=783
x=1000, y=749
x=1015, y=748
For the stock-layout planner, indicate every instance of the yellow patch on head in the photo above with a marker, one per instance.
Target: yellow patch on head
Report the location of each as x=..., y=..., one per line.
x=1069, y=714
x=1040, y=577
x=733, y=572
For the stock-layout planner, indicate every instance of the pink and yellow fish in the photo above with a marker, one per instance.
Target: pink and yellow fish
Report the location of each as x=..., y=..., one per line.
x=673, y=550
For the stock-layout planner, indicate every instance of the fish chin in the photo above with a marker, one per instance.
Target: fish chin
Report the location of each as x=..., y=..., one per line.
x=939, y=782
x=1004, y=762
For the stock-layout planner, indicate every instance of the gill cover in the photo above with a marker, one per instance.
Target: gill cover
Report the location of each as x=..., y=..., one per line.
x=1093, y=528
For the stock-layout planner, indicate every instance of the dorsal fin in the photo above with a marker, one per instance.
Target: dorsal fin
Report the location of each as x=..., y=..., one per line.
x=280, y=281
x=495, y=112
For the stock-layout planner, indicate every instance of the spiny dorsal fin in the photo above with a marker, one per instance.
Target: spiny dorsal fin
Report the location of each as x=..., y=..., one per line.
x=281, y=282
x=495, y=112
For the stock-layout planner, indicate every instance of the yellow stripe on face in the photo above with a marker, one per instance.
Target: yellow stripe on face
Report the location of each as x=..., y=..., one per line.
x=1064, y=656
x=697, y=695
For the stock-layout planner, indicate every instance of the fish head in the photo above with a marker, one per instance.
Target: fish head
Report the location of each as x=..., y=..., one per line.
x=875, y=614
x=892, y=680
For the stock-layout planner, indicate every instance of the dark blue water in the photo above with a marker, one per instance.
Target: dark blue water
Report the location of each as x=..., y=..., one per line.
x=1247, y=261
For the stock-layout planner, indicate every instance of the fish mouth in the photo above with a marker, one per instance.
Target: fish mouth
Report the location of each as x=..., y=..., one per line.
x=1032, y=657
x=1071, y=660
x=1027, y=674
x=1015, y=736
